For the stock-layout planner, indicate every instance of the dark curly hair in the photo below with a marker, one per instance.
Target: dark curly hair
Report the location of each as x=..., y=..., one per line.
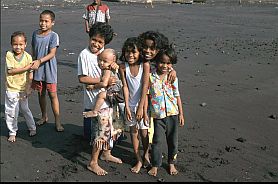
x=130, y=45
x=168, y=51
x=159, y=39
x=102, y=29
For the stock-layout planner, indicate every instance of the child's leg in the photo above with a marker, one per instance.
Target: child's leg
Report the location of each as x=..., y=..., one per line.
x=42, y=102
x=136, y=148
x=156, y=157
x=11, y=113
x=108, y=157
x=28, y=116
x=145, y=143
x=100, y=100
x=172, y=125
x=93, y=165
x=56, y=110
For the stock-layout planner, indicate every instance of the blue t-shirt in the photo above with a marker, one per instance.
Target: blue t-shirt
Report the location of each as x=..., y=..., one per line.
x=41, y=46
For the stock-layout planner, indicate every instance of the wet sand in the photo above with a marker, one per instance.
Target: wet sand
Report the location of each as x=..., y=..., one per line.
x=227, y=68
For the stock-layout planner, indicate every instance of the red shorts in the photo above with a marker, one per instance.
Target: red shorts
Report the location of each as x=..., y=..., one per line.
x=43, y=86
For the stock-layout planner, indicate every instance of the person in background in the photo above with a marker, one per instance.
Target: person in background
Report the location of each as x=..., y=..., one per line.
x=96, y=12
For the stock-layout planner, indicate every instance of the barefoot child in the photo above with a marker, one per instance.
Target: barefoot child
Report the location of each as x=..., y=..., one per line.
x=44, y=46
x=132, y=77
x=89, y=73
x=152, y=43
x=18, y=85
x=166, y=111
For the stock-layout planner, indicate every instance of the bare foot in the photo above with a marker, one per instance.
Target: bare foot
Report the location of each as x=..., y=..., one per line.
x=153, y=171
x=42, y=121
x=95, y=168
x=137, y=167
x=173, y=170
x=90, y=114
x=59, y=128
x=11, y=138
x=32, y=133
x=110, y=158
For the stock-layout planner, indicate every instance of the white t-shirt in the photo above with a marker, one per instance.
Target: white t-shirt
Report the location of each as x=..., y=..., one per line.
x=88, y=66
x=134, y=86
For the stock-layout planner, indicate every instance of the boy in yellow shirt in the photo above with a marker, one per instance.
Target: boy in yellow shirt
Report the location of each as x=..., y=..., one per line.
x=18, y=85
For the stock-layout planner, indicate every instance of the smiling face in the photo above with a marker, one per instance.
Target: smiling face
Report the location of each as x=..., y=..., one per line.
x=96, y=43
x=132, y=55
x=149, y=50
x=18, y=44
x=164, y=65
x=46, y=22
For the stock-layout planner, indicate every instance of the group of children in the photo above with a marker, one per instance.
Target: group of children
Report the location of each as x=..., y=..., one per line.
x=144, y=81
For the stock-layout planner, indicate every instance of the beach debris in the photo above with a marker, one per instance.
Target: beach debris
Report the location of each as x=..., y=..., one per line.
x=203, y=155
x=203, y=104
x=241, y=139
x=231, y=148
x=183, y=1
x=273, y=116
x=160, y=180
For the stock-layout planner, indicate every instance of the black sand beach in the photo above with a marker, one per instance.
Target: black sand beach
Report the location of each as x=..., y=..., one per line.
x=227, y=68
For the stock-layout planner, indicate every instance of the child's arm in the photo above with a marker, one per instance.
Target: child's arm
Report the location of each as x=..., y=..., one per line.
x=172, y=76
x=14, y=71
x=87, y=29
x=145, y=114
x=146, y=74
x=29, y=83
x=46, y=58
x=88, y=80
x=104, y=81
x=181, y=118
x=125, y=91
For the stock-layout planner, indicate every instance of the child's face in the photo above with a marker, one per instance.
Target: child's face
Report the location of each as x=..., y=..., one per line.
x=149, y=50
x=18, y=45
x=105, y=59
x=46, y=22
x=132, y=56
x=96, y=43
x=164, y=65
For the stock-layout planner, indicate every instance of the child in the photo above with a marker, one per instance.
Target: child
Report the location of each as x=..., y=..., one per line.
x=96, y=12
x=44, y=46
x=89, y=73
x=18, y=85
x=132, y=77
x=113, y=93
x=166, y=111
x=153, y=42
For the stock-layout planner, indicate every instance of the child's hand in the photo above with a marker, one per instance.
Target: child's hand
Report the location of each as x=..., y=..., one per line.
x=181, y=119
x=172, y=76
x=36, y=64
x=114, y=66
x=112, y=81
x=89, y=86
x=146, y=119
x=139, y=114
x=28, y=91
x=128, y=114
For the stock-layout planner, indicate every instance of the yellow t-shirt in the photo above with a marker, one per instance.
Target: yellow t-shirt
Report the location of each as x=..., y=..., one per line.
x=17, y=82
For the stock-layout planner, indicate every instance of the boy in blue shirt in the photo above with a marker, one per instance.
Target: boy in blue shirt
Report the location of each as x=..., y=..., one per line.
x=44, y=46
